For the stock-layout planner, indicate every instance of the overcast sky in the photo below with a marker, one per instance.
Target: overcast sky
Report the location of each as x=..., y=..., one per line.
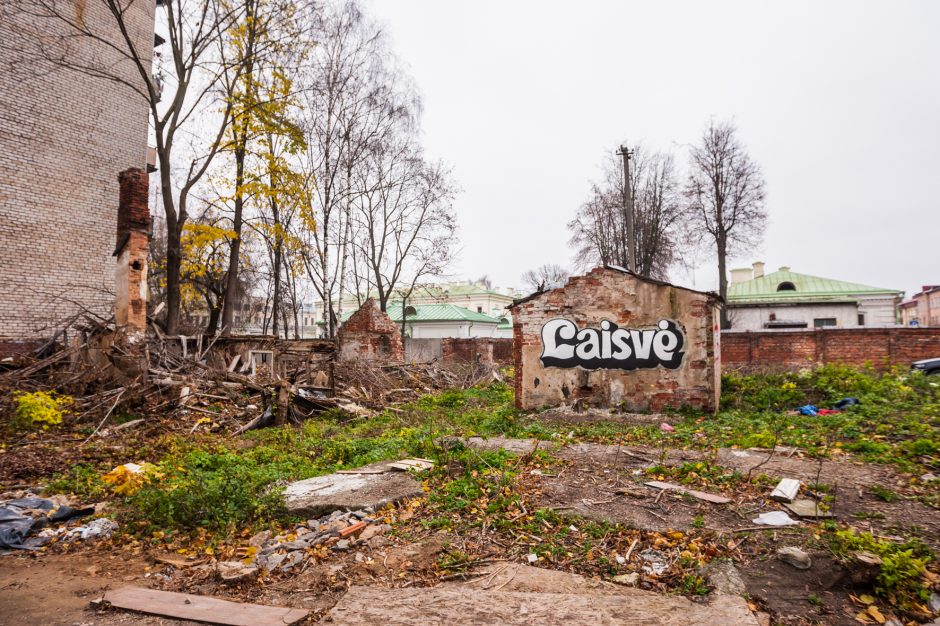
x=838, y=101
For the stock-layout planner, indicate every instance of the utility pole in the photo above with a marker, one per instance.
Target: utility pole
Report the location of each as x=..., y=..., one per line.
x=628, y=209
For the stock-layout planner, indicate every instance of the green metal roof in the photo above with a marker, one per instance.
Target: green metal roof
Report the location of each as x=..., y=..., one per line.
x=807, y=288
x=434, y=313
x=439, y=313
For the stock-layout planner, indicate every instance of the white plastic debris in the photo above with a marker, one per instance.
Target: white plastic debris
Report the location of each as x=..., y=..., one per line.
x=532, y=557
x=774, y=518
x=100, y=528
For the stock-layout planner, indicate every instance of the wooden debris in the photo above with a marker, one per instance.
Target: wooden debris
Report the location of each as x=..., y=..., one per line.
x=355, y=529
x=786, y=490
x=412, y=464
x=178, y=561
x=701, y=495
x=201, y=608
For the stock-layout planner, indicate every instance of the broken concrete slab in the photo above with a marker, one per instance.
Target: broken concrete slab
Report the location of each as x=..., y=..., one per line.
x=454, y=604
x=337, y=492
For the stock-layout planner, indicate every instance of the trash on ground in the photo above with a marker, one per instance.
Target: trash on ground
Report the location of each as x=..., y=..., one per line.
x=22, y=519
x=101, y=528
x=807, y=508
x=412, y=464
x=127, y=479
x=774, y=518
x=786, y=490
x=795, y=557
x=656, y=562
x=845, y=403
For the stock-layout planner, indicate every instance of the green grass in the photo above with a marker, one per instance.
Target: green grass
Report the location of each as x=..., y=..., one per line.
x=897, y=422
x=901, y=578
x=223, y=484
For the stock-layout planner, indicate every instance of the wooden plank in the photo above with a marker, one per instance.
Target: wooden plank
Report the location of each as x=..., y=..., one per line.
x=701, y=495
x=414, y=463
x=201, y=608
x=786, y=490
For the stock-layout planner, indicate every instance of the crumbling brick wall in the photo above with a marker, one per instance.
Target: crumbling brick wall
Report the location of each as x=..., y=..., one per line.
x=797, y=349
x=485, y=350
x=614, y=299
x=133, y=239
x=64, y=136
x=370, y=334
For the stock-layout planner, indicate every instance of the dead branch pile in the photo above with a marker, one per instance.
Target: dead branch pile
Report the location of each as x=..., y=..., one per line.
x=380, y=385
x=207, y=383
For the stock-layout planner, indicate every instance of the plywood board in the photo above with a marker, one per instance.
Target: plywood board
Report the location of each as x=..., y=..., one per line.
x=201, y=608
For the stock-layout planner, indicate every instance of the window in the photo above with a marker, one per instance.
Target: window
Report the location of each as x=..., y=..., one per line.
x=786, y=286
x=861, y=319
x=822, y=322
x=479, y=309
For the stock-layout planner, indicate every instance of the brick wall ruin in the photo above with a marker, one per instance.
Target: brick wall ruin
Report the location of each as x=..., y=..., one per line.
x=485, y=350
x=64, y=136
x=797, y=349
x=610, y=338
x=370, y=334
x=133, y=239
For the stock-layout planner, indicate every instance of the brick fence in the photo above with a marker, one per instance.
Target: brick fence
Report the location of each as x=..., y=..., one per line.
x=782, y=350
x=477, y=350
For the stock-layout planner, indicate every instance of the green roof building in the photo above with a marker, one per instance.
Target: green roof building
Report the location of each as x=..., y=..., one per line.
x=789, y=300
x=426, y=321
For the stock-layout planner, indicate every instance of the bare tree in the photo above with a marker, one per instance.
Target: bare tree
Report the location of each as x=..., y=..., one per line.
x=598, y=231
x=354, y=100
x=725, y=198
x=176, y=93
x=404, y=218
x=544, y=277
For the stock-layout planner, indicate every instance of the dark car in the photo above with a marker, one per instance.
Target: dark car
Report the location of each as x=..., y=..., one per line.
x=927, y=366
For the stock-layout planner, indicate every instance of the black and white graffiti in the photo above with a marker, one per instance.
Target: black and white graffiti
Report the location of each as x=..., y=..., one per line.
x=611, y=347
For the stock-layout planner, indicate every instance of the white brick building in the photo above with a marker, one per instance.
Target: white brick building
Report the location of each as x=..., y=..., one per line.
x=64, y=137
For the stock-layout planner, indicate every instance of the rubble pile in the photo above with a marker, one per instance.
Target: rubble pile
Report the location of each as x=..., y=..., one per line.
x=337, y=532
x=233, y=384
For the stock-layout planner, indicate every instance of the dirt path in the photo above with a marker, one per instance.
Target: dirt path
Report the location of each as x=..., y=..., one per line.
x=55, y=589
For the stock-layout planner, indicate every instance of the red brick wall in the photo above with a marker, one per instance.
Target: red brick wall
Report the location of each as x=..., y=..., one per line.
x=630, y=302
x=370, y=333
x=502, y=351
x=477, y=350
x=133, y=225
x=781, y=350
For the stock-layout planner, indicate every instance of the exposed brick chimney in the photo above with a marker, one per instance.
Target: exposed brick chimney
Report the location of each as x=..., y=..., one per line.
x=133, y=228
